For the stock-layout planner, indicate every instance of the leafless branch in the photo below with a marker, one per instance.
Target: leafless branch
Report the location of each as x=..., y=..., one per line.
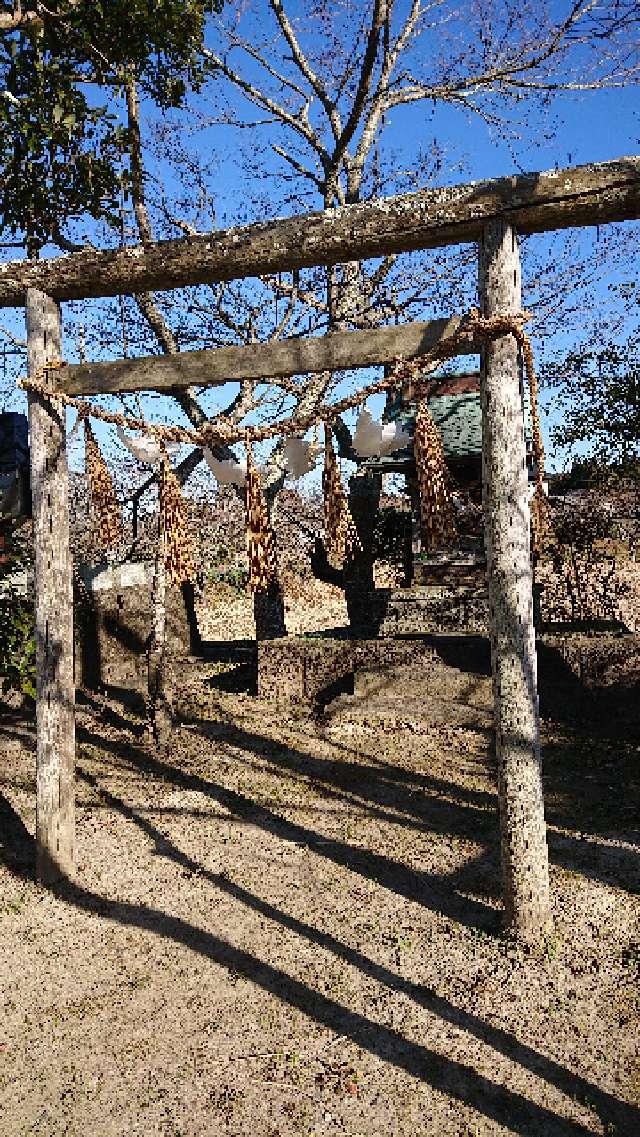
x=298, y=167
x=298, y=123
x=4, y=331
x=305, y=68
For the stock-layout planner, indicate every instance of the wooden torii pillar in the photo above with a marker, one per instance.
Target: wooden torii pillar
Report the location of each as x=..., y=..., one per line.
x=55, y=691
x=524, y=853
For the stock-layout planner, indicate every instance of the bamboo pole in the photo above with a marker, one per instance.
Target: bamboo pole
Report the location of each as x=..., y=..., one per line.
x=507, y=534
x=55, y=690
x=158, y=705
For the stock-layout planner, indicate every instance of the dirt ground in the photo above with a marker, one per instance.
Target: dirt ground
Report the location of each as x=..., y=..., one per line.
x=226, y=613
x=290, y=925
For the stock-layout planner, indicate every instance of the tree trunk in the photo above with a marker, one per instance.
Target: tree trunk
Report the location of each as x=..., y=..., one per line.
x=507, y=531
x=357, y=574
x=55, y=689
x=322, y=568
x=268, y=605
x=356, y=577
x=268, y=611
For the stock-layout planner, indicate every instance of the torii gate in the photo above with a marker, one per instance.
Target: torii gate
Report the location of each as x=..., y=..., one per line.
x=492, y=213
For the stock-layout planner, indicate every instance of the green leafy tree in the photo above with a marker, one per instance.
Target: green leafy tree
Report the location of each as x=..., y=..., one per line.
x=597, y=391
x=60, y=67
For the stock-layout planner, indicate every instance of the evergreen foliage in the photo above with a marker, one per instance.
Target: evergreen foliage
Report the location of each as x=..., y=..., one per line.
x=17, y=623
x=598, y=391
x=60, y=142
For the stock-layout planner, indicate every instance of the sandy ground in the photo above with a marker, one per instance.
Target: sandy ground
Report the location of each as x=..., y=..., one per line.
x=291, y=926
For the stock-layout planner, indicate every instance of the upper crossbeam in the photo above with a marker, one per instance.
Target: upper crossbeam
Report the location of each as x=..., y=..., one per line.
x=581, y=195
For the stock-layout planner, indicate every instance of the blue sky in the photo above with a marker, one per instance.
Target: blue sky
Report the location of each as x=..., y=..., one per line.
x=594, y=126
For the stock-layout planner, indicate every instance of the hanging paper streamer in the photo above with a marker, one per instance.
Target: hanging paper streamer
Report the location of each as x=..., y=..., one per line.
x=341, y=536
x=227, y=472
x=373, y=439
x=261, y=546
x=367, y=438
x=101, y=492
x=394, y=438
x=175, y=525
x=436, y=512
x=144, y=448
x=300, y=456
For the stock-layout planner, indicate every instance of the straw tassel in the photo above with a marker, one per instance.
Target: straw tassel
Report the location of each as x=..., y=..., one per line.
x=261, y=546
x=341, y=535
x=178, y=547
x=436, y=513
x=101, y=492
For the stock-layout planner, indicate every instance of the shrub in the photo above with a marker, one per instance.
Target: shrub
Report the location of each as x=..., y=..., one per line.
x=17, y=630
x=237, y=578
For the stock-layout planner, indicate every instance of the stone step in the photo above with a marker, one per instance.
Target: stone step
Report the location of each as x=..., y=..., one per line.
x=437, y=609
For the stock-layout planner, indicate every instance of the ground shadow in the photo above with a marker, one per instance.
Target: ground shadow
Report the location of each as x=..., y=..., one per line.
x=462, y=1082
x=429, y=889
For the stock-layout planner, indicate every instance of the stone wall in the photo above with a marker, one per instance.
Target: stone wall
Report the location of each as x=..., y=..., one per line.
x=598, y=662
x=300, y=670
x=434, y=609
x=292, y=670
x=113, y=622
x=578, y=675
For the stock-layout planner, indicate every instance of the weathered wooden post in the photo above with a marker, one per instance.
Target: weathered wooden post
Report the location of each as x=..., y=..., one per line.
x=507, y=532
x=55, y=691
x=159, y=713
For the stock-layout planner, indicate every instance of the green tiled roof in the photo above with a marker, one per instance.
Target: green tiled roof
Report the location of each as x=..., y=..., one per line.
x=458, y=418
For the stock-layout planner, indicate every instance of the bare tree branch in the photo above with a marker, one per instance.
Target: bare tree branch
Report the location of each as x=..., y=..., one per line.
x=364, y=84
x=305, y=68
x=299, y=122
x=4, y=331
x=298, y=167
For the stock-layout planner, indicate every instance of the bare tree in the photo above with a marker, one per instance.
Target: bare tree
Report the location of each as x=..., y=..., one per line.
x=328, y=85
x=318, y=97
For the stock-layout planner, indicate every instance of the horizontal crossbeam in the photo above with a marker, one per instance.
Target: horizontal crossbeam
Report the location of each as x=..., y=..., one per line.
x=280, y=359
x=531, y=203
